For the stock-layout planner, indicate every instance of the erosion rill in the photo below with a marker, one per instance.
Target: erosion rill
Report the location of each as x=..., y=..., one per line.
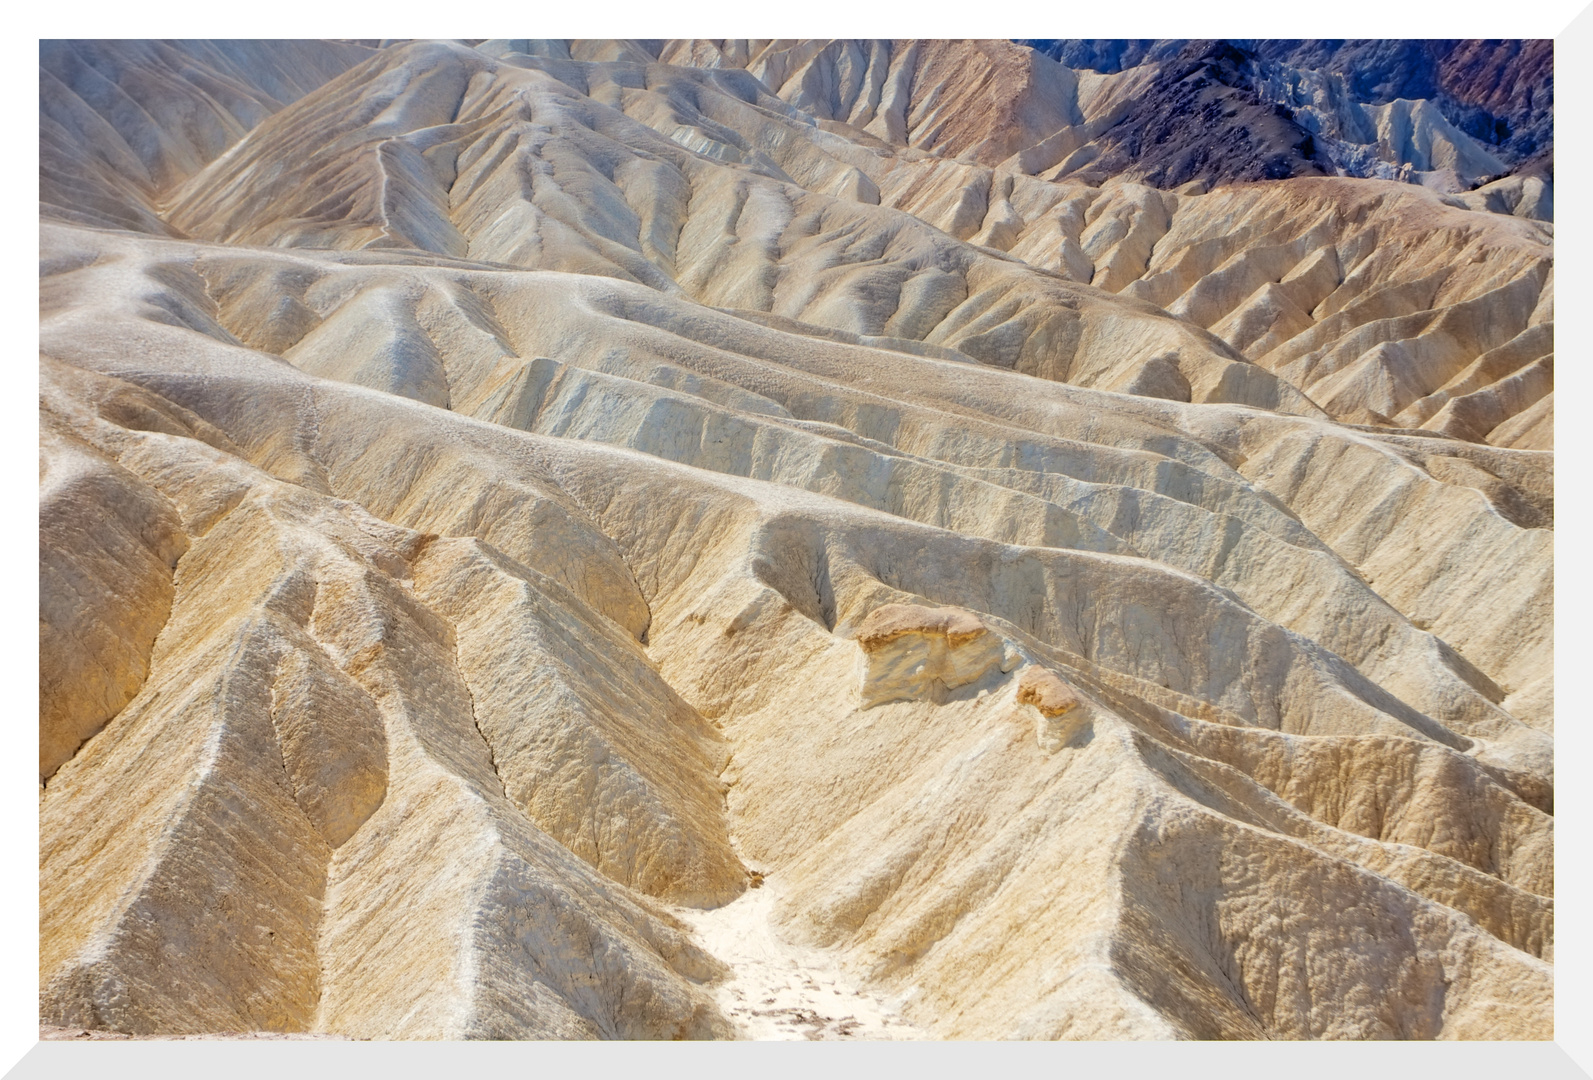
x=708, y=539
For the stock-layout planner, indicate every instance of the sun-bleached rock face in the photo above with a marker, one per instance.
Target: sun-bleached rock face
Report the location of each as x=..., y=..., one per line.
x=500, y=500
x=121, y=121
x=914, y=653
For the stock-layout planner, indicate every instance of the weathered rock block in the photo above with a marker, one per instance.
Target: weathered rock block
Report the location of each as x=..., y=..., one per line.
x=915, y=653
x=1051, y=705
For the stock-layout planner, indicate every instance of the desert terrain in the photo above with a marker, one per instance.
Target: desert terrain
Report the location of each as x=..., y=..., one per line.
x=796, y=539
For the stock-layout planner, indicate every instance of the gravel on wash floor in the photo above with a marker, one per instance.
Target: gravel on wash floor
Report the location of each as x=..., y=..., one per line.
x=786, y=992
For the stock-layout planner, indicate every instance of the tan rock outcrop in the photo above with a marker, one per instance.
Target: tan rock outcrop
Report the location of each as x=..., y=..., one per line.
x=912, y=653
x=892, y=621
x=107, y=547
x=1050, y=705
x=1047, y=693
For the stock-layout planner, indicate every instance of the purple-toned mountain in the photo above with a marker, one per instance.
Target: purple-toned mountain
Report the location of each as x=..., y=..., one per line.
x=1449, y=114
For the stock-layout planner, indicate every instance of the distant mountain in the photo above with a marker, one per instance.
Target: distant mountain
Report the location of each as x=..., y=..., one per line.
x=1451, y=115
x=1501, y=93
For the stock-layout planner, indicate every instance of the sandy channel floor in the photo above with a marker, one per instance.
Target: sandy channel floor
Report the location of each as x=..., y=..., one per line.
x=787, y=992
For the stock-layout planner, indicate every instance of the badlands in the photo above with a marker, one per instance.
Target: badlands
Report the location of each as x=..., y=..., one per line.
x=715, y=539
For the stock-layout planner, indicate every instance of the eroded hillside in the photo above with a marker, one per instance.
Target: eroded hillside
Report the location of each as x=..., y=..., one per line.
x=501, y=501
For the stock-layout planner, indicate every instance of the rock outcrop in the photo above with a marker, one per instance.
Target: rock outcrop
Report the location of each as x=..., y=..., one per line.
x=915, y=653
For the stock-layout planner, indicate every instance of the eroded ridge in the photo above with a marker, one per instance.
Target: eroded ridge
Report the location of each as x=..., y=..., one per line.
x=685, y=540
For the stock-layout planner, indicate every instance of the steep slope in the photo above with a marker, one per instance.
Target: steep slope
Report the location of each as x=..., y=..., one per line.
x=775, y=548
x=520, y=496
x=1447, y=114
x=122, y=121
x=442, y=166
x=996, y=101
x=439, y=148
x=1499, y=92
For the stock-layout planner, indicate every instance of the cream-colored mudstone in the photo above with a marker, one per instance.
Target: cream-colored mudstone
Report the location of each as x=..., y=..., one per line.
x=108, y=544
x=499, y=501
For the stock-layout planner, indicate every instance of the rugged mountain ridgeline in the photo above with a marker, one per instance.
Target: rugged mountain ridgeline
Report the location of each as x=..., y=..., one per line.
x=1090, y=554
x=1448, y=114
